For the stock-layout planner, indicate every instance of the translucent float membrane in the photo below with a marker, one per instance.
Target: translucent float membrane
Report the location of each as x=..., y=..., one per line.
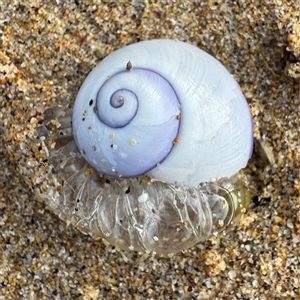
x=137, y=213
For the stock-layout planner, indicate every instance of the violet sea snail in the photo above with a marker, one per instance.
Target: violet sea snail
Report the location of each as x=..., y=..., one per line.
x=158, y=121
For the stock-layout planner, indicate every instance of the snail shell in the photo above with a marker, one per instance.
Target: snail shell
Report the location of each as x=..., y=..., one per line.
x=161, y=108
x=166, y=109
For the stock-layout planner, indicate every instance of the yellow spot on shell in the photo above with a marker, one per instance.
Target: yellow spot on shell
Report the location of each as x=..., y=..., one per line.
x=132, y=142
x=111, y=136
x=89, y=172
x=176, y=141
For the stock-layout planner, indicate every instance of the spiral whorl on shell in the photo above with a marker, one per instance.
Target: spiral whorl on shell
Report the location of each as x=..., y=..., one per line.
x=164, y=108
x=137, y=123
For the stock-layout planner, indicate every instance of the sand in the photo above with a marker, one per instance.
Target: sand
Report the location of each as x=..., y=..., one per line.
x=47, y=49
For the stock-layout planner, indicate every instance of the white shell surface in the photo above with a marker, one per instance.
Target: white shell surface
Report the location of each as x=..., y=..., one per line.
x=215, y=135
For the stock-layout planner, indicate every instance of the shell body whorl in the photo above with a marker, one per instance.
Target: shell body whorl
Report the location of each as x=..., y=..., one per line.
x=178, y=115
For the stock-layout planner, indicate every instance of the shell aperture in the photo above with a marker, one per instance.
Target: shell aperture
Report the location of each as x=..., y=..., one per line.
x=177, y=115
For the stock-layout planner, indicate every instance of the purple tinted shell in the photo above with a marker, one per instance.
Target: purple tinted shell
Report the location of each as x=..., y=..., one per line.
x=215, y=136
x=132, y=126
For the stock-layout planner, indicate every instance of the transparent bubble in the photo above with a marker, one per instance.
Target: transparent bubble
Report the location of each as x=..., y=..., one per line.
x=138, y=213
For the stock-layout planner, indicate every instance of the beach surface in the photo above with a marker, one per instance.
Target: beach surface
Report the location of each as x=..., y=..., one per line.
x=47, y=48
